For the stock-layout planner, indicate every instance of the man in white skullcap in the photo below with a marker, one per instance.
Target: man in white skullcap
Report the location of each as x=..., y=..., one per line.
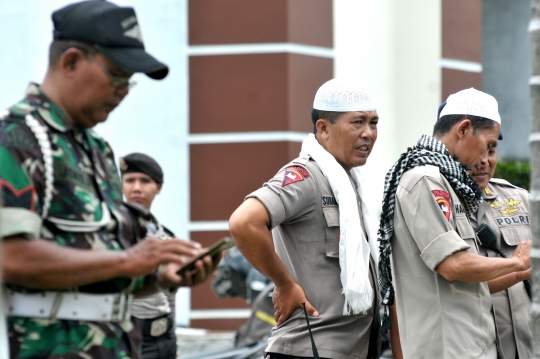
x=443, y=302
x=324, y=248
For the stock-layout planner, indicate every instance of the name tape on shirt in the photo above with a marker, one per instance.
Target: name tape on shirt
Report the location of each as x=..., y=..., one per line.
x=443, y=200
x=329, y=201
x=294, y=174
x=513, y=220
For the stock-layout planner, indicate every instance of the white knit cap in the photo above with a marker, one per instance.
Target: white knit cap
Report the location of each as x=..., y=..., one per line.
x=343, y=95
x=472, y=102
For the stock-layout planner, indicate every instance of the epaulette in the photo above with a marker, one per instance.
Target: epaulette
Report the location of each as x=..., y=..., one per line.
x=504, y=183
x=20, y=115
x=302, y=160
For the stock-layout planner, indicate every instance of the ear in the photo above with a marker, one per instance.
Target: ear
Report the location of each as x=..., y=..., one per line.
x=70, y=61
x=323, y=127
x=159, y=185
x=464, y=128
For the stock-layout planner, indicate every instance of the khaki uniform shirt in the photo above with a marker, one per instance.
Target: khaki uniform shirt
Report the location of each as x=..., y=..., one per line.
x=305, y=219
x=437, y=318
x=506, y=210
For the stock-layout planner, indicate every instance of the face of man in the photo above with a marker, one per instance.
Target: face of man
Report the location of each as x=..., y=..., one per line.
x=140, y=188
x=485, y=169
x=351, y=138
x=95, y=96
x=474, y=149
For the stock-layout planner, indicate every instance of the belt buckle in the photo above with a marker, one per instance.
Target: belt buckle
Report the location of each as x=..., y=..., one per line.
x=158, y=327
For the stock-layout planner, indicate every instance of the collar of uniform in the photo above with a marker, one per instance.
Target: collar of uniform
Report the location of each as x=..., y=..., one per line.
x=488, y=193
x=50, y=112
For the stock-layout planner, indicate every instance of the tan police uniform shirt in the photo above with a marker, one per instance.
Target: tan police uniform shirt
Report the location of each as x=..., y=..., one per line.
x=305, y=227
x=437, y=318
x=506, y=210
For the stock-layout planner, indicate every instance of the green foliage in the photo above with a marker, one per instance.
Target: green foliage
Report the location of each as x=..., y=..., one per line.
x=516, y=172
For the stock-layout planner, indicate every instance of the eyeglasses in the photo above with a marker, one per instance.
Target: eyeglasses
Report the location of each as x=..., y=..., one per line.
x=116, y=81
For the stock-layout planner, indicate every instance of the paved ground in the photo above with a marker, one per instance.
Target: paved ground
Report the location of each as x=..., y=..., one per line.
x=191, y=341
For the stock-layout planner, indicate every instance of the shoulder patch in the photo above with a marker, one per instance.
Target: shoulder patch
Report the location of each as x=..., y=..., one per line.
x=443, y=200
x=441, y=193
x=294, y=174
x=17, y=198
x=445, y=207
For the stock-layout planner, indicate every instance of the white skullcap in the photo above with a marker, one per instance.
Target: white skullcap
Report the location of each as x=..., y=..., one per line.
x=472, y=102
x=343, y=95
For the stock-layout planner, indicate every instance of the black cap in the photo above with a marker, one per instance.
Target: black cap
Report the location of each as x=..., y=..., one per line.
x=439, y=115
x=139, y=162
x=113, y=29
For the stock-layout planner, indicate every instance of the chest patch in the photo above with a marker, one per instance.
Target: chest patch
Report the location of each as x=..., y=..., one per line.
x=329, y=201
x=506, y=207
x=459, y=208
x=294, y=174
x=443, y=200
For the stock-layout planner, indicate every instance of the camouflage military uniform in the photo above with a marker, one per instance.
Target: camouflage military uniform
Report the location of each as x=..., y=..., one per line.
x=85, y=185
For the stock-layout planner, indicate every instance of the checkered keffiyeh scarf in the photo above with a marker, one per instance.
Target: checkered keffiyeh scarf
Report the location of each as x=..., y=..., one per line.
x=428, y=151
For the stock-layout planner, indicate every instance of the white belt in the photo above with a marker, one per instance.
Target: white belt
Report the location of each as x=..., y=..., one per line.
x=70, y=306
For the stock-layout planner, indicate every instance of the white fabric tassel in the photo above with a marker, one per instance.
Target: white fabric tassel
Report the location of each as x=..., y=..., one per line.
x=354, y=250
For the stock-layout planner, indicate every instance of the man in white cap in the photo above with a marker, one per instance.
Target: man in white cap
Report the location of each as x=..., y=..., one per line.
x=323, y=251
x=443, y=302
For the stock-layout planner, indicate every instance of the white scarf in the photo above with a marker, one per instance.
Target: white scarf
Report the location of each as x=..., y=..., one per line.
x=354, y=249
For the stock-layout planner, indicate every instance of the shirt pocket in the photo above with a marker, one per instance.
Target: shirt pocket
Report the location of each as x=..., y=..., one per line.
x=466, y=232
x=331, y=216
x=512, y=235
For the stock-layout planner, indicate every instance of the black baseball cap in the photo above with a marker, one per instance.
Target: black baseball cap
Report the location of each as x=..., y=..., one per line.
x=114, y=30
x=139, y=162
x=439, y=116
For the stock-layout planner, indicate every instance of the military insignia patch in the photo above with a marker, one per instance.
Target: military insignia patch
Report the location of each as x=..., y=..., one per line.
x=443, y=200
x=17, y=198
x=123, y=164
x=511, y=207
x=496, y=204
x=513, y=202
x=445, y=207
x=441, y=193
x=294, y=174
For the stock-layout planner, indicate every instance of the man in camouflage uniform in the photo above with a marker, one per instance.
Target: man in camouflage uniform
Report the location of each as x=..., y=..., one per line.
x=72, y=250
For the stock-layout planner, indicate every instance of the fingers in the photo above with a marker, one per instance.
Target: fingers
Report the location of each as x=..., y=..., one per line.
x=181, y=247
x=201, y=271
x=168, y=277
x=311, y=309
x=281, y=318
x=526, y=274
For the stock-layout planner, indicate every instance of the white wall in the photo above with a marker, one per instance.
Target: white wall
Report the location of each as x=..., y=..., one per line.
x=152, y=118
x=394, y=47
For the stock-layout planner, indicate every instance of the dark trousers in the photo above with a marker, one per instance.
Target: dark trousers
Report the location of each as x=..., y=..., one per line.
x=161, y=347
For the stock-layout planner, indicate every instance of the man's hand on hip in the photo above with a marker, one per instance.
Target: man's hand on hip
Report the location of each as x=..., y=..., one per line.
x=286, y=299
